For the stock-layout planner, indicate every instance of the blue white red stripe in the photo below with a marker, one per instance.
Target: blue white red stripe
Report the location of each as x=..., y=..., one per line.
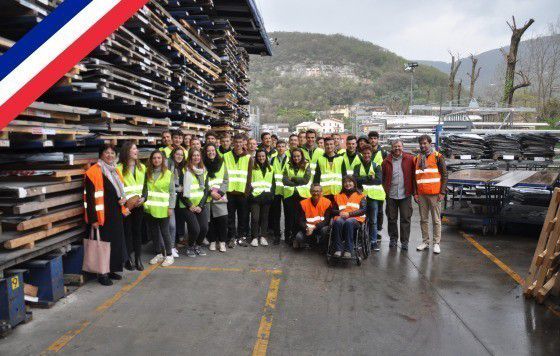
x=54, y=46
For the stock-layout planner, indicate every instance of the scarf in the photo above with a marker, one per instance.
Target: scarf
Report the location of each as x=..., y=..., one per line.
x=110, y=171
x=424, y=156
x=213, y=166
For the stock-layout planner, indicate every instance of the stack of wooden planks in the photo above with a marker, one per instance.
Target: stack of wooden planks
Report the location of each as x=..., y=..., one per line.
x=543, y=279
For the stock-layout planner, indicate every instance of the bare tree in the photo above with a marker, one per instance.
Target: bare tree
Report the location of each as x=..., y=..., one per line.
x=543, y=62
x=455, y=64
x=474, y=74
x=511, y=60
x=459, y=91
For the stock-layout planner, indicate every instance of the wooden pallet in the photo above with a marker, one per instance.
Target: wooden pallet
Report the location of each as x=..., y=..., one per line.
x=13, y=239
x=542, y=279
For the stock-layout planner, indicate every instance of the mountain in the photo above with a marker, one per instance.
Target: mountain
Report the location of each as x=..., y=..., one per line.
x=312, y=72
x=491, y=62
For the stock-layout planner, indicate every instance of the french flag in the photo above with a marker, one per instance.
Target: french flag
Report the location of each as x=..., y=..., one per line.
x=45, y=54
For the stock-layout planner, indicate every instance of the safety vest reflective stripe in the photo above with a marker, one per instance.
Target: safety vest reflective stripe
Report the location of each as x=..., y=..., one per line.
x=95, y=175
x=374, y=192
x=237, y=171
x=157, y=202
x=331, y=174
x=349, y=204
x=303, y=190
x=260, y=183
x=372, y=187
x=428, y=180
x=427, y=170
x=132, y=188
x=315, y=213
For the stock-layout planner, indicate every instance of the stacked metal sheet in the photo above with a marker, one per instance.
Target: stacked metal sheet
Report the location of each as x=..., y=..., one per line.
x=502, y=145
x=469, y=146
x=537, y=145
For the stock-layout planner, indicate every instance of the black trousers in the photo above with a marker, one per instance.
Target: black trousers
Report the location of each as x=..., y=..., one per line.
x=291, y=216
x=133, y=232
x=179, y=223
x=379, y=216
x=197, y=223
x=275, y=214
x=259, y=219
x=319, y=237
x=159, y=231
x=217, y=231
x=237, y=205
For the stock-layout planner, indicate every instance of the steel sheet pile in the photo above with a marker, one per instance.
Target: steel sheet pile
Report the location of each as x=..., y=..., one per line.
x=499, y=146
x=502, y=145
x=470, y=145
x=537, y=145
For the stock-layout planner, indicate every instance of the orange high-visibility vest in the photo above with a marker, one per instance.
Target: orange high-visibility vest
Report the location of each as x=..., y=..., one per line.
x=350, y=204
x=428, y=180
x=315, y=214
x=95, y=175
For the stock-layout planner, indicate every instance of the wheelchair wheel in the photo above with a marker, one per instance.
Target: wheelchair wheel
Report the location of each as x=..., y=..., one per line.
x=329, y=261
x=358, y=260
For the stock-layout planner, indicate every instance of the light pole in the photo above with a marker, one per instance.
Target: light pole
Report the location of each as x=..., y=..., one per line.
x=409, y=67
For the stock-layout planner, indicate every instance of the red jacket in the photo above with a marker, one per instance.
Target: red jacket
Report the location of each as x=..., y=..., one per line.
x=408, y=169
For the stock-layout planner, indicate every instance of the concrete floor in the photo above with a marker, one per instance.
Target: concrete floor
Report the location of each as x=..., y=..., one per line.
x=457, y=303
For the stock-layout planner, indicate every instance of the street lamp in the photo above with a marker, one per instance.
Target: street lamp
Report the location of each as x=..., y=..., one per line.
x=409, y=67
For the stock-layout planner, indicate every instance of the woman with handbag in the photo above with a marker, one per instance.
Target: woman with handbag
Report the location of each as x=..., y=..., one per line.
x=159, y=195
x=262, y=195
x=133, y=172
x=104, y=204
x=217, y=183
x=194, y=197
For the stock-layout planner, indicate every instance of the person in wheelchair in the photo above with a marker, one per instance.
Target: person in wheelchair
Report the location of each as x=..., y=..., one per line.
x=314, y=219
x=349, y=214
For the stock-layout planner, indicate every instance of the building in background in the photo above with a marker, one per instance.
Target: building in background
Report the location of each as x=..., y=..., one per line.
x=280, y=130
x=307, y=125
x=331, y=125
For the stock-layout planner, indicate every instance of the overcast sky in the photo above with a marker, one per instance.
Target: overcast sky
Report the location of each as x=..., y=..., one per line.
x=413, y=29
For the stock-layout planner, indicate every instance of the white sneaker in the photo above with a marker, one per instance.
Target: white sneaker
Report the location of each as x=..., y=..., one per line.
x=437, y=249
x=159, y=258
x=422, y=247
x=205, y=242
x=263, y=241
x=212, y=246
x=168, y=261
x=255, y=242
x=222, y=247
x=174, y=253
x=338, y=254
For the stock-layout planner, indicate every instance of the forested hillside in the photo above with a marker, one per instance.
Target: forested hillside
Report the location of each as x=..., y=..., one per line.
x=310, y=71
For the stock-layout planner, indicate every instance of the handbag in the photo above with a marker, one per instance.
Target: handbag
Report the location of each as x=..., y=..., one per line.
x=97, y=254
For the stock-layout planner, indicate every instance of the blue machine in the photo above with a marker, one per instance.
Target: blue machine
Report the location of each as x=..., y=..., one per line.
x=72, y=261
x=12, y=300
x=46, y=273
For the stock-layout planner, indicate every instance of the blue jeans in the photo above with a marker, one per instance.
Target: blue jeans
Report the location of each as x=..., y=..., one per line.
x=371, y=215
x=343, y=230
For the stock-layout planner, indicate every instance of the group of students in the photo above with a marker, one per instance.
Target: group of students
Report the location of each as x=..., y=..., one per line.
x=231, y=191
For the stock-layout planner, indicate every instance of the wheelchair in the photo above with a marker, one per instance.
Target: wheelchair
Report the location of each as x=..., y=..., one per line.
x=362, y=245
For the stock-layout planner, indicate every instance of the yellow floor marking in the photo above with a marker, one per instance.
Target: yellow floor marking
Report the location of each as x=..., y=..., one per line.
x=109, y=302
x=516, y=277
x=267, y=271
x=203, y=268
x=64, y=339
x=261, y=345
